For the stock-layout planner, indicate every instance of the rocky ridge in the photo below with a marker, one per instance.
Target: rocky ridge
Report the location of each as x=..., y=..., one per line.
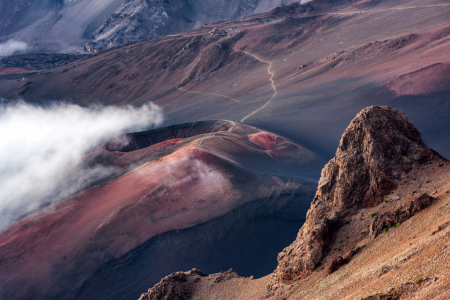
x=371, y=184
x=135, y=20
x=142, y=19
x=378, y=146
x=181, y=285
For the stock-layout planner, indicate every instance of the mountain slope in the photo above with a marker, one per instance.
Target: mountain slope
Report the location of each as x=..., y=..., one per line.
x=378, y=227
x=69, y=25
x=311, y=65
x=204, y=184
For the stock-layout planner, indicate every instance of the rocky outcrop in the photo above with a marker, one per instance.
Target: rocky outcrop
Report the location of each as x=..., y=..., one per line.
x=375, y=149
x=391, y=219
x=142, y=19
x=176, y=286
x=342, y=260
x=135, y=20
x=182, y=285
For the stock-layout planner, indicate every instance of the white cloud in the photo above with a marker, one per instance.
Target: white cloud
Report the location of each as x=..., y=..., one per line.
x=12, y=46
x=41, y=150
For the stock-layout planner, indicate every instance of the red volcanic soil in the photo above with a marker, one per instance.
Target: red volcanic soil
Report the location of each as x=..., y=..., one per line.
x=4, y=70
x=193, y=173
x=264, y=139
x=434, y=78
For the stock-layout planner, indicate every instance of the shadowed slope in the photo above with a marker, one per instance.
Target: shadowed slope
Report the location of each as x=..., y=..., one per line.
x=173, y=178
x=378, y=227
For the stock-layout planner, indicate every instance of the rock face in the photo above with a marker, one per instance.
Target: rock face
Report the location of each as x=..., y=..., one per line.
x=182, y=285
x=69, y=25
x=142, y=19
x=135, y=20
x=390, y=219
x=375, y=149
x=176, y=286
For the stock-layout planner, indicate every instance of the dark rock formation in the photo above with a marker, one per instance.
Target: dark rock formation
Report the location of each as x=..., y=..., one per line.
x=182, y=285
x=135, y=20
x=142, y=19
x=386, y=296
x=176, y=286
x=378, y=145
x=39, y=61
x=390, y=219
x=342, y=260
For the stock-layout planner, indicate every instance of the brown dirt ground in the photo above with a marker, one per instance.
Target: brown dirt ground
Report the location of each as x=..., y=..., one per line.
x=416, y=249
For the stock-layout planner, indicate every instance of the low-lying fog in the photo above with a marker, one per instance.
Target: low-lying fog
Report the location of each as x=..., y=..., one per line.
x=41, y=150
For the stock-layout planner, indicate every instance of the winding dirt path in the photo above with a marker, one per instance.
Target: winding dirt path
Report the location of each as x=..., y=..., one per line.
x=232, y=126
x=271, y=81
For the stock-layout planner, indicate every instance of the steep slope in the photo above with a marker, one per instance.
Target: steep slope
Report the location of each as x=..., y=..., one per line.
x=69, y=26
x=313, y=65
x=203, y=183
x=378, y=227
x=375, y=150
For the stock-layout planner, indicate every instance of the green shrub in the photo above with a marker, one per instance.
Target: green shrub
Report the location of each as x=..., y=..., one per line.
x=419, y=280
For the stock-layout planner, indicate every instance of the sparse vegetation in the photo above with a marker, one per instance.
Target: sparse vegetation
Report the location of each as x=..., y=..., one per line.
x=439, y=165
x=427, y=181
x=374, y=215
x=419, y=280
